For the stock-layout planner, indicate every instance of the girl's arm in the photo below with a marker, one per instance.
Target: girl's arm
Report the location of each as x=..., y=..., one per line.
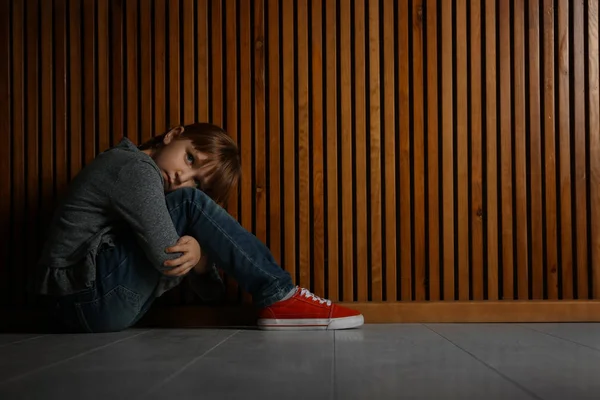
x=138, y=198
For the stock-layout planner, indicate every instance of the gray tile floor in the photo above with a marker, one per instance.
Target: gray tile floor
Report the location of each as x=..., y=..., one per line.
x=407, y=361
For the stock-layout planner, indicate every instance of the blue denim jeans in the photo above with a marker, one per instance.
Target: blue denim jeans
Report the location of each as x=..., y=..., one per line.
x=126, y=282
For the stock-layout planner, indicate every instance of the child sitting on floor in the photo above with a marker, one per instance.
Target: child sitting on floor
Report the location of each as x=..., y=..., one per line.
x=138, y=219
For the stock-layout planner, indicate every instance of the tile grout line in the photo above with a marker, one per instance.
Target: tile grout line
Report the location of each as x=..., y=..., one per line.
x=523, y=388
x=174, y=374
x=560, y=337
x=333, y=377
x=22, y=340
x=54, y=364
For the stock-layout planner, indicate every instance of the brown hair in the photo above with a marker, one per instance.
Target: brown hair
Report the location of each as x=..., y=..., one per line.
x=221, y=151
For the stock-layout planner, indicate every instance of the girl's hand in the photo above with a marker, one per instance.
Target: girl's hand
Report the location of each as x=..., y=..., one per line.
x=190, y=257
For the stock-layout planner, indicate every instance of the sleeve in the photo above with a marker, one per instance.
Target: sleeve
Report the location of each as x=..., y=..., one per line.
x=138, y=198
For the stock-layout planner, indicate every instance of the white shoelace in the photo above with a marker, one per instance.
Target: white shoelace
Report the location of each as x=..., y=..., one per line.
x=306, y=293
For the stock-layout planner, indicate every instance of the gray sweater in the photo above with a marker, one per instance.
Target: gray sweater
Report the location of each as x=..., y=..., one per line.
x=122, y=189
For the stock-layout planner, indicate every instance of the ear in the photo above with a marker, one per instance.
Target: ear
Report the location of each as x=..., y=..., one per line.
x=173, y=134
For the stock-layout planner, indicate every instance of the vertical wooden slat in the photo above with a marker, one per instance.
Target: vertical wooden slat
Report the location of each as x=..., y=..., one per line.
x=188, y=70
x=347, y=185
x=332, y=149
x=274, y=105
x=174, y=112
x=103, y=77
x=520, y=151
x=360, y=147
x=579, y=152
x=375, y=156
x=217, y=83
x=145, y=71
x=594, y=130
x=75, y=82
x=491, y=151
x=550, y=153
x=260, y=176
x=506, y=185
x=389, y=142
x=19, y=186
x=117, y=73
x=60, y=105
x=447, y=151
x=32, y=115
x=289, y=194
x=5, y=149
x=245, y=123
x=159, y=66
x=476, y=166
x=419, y=151
x=316, y=101
x=46, y=121
x=245, y=133
x=231, y=105
x=303, y=146
x=564, y=133
x=203, y=60
x=462, y=143
x=89, y=80
x=131, y=62
x=433, y=151
x=405, y=242
x=535, y=151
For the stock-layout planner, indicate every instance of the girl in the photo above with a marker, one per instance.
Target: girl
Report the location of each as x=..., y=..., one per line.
x=135, y=221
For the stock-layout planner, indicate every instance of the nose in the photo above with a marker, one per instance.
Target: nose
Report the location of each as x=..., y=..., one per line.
x=184, y=178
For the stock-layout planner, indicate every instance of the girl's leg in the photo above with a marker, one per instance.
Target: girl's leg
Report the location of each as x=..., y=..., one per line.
x=123, y=291
x=235, y=250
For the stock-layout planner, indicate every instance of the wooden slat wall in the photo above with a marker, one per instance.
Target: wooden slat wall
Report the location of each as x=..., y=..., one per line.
x=391, y=150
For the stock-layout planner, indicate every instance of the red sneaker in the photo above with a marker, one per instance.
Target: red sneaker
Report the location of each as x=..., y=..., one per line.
x=306, y=311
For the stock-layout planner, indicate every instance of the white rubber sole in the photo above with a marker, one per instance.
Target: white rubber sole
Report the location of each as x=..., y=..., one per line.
x=305, y=324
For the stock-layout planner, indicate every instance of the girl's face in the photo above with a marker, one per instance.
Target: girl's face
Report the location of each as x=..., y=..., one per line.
x=180, y=163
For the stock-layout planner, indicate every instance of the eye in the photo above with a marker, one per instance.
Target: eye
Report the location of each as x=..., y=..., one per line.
x=189, y=158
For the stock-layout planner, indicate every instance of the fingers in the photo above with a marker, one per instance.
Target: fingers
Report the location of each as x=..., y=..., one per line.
x=181, y=270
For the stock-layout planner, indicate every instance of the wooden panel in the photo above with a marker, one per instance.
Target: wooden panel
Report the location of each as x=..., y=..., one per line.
x=550, y=166
x=145, y=73
x=289, y=192
x=5, y=145
x=360, y=150
x=376, y=261
x=303, y=147
x=535, y=150
x=594, y=139
x=389, y=160
x=103, y=79
x=564, y=153
x=273, y=43
x=462, y=161
x=404, y=242
x=331, y=128
x=317, y=129
x=491, y=153
x=447, y=156
x=476, y=167
x=433, y=146
x=578, y=135
x=522, y=263
x=408, y=151
x=346, y=182
x=31, y=123
x=419, y=152
x=506, y=183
